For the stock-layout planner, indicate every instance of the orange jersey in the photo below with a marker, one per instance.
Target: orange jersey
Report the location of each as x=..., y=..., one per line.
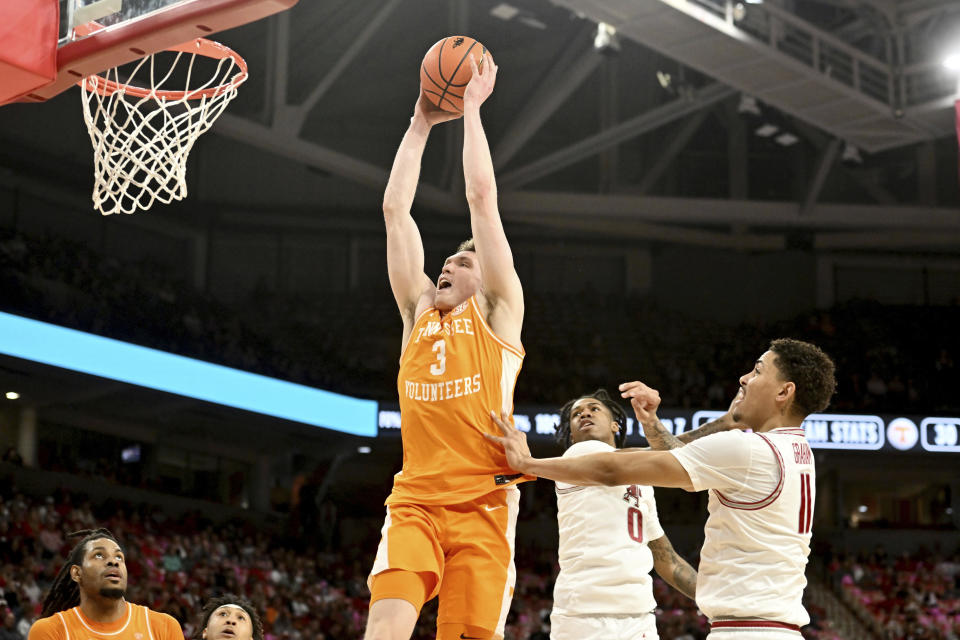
x=453, y=372
x=140, y=623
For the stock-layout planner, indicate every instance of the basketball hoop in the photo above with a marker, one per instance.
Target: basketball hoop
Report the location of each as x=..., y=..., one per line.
x=142, y=130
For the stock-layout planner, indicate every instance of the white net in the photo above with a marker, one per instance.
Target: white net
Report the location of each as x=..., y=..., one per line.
x=143, y=130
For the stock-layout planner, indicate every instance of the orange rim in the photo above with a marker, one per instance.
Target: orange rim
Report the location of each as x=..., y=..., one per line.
x=199, y=46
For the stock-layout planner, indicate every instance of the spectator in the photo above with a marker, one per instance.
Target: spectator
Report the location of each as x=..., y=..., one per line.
x=12, y=456
x=9, y=630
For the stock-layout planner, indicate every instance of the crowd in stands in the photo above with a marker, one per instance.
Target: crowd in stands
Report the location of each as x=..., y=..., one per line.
x=910, y=597
x=893, y=359
x=897, y=359
x=302, y=592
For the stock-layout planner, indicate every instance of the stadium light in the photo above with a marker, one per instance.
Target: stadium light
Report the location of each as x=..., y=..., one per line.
x=606, y=41
x=952, y=62
x=851, y=154
x=13, y=395
x=862, y=508
x=504, y=11
x=786, y=139
x=363, y=449
x=766, y=130
x=748, y=104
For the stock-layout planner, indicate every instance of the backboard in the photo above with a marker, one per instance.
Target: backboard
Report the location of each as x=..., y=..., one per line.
x=106, y=12
x=143, y=124
x=133, y=29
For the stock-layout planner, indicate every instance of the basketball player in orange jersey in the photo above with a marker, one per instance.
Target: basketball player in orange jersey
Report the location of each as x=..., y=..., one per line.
x=451, y=515
x=229, y=617
x=86, y=601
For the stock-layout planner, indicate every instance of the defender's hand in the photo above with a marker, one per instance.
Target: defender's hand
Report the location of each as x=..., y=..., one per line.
x=481, y=84
x=514, y=442
x=644, y=400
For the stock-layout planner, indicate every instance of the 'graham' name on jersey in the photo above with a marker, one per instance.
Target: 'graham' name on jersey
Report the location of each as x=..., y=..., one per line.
x=801, y=453
x=462, y=326
x=436, y=391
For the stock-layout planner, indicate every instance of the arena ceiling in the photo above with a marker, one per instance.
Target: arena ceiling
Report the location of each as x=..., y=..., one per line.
x=695, y=121
x=653, y=135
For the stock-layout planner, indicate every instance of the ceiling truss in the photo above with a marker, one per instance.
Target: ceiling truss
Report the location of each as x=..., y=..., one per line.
x=667, y=219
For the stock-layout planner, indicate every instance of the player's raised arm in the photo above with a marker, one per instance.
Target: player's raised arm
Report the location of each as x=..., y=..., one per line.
x=645, y=402
x=404, y=246
x=501, y=286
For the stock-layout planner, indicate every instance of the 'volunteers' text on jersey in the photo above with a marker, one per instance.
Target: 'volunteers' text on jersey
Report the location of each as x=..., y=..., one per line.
x=453, y=371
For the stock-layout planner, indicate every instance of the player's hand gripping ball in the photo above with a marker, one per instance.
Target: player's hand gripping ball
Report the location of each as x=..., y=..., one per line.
x=446, y=70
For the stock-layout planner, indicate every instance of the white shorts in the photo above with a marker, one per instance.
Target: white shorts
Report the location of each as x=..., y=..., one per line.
x=608, y=627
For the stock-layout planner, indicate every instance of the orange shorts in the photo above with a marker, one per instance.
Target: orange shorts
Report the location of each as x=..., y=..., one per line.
x=462, y=553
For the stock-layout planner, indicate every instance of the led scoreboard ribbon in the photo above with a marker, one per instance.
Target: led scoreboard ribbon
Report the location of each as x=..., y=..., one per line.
x=830, y=430
x=940, y=434
x=116, y=360
x=851, y=432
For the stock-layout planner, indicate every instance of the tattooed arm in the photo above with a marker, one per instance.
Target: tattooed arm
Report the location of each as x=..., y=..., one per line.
x=645, y=402
x=671, y=567
x=660, y=437
x=723, y=423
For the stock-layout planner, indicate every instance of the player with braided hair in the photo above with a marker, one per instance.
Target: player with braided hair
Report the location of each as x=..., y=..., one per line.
x=618, y=415
x=86, y=599
x=229, y=617
x=64, y=592
x=610, y=537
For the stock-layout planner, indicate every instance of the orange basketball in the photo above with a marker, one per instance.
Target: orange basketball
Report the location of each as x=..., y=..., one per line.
x=446, y=71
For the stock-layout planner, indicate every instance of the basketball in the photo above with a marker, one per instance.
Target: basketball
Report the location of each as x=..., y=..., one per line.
x=445, y=71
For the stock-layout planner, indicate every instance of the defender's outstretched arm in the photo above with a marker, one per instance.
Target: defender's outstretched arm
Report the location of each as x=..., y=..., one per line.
x=653, y=468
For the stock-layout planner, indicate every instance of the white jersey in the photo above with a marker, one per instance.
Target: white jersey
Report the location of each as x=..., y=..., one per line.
x=605, y=562
x=757, y=537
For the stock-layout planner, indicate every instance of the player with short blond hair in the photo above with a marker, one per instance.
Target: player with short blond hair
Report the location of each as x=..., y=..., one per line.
x=451, y=516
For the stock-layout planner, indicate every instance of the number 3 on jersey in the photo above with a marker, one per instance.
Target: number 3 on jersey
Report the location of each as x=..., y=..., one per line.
x=438, y=367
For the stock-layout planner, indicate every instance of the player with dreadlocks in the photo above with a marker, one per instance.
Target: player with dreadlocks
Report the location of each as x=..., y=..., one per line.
x=610, y=537
x=86, y=599
x=229, y=617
